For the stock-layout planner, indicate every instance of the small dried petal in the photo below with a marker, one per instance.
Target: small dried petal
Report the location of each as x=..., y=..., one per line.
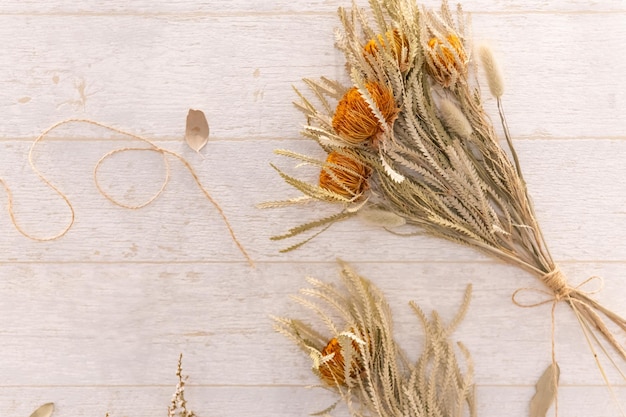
x=355, y=121
x=446, y=59
x=345, y=175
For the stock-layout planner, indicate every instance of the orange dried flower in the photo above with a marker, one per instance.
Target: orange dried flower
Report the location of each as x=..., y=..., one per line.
x=399, y=41
x=344, y=174
x=332, y=371
x=446, y=64
x=355, y=122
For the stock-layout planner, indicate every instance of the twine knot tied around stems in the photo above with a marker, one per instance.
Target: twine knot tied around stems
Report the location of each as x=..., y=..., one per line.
x=555, y=280
x=559, y=289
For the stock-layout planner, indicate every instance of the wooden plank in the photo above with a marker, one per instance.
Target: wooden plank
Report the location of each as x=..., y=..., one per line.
x=143, y=73
x=85, y=324
x=215, y=7
x=577, y=188
x=276, y=401
x=95, y=321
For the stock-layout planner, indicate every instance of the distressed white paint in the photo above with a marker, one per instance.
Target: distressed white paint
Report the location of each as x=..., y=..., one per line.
x=95, y=320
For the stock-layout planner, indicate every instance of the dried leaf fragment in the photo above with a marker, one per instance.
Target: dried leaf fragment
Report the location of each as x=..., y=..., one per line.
x=44, y=411
x=381, y=217
x=197, y=130
x=546, y=387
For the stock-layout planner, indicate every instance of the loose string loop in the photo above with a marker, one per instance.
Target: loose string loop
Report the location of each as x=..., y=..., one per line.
x=109, y=197
x=152, y=148
x=559, y=290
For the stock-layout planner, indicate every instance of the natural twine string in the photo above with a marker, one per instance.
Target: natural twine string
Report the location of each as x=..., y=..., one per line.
x=560, y=290
x=152, y=148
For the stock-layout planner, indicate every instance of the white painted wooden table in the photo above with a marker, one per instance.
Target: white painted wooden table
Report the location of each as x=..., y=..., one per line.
x=95, y=321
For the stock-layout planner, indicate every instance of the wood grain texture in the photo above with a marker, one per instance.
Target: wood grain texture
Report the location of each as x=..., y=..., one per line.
x=216, y=7
x=95, y=321
x=145, y=72
x=223, y=401
x=182, y=226
x=139, y=316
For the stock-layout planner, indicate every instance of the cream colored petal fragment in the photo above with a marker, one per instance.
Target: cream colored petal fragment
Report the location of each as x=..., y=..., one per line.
x=44, y=411
x=396, y=177
x=197, y=130
x=547, y=388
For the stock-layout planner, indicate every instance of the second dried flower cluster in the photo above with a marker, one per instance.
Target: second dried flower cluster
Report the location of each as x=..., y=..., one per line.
x=362, y=362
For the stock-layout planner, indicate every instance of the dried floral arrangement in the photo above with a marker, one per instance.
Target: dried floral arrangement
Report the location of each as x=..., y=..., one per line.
x=177, y=407
x=362, y=362
x=409, y=143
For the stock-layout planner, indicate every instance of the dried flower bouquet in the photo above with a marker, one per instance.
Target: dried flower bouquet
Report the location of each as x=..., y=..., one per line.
x=362, y=362
x=410, y=143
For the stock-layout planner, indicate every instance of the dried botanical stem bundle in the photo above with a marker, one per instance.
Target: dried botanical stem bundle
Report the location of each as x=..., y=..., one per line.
x=416, y=147
x=362, y=362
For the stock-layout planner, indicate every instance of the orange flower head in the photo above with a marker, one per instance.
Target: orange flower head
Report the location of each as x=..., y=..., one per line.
x=446, y=60
x=345, y=175
x=396, y=39
x=332, y=371
x=355, y=122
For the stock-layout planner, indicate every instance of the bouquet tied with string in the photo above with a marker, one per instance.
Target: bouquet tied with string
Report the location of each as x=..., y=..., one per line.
x=409, y=143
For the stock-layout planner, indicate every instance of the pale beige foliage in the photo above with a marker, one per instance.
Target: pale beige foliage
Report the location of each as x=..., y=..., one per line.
x=375, y=378
x=45, y=410
x=381, y=217
x=546, y=391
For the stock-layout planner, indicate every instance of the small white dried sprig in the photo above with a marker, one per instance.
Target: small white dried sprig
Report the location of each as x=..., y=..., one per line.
x=178, y=405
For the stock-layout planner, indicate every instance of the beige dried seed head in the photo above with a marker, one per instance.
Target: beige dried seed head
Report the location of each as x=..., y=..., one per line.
x=454, y=118
x=492, y=71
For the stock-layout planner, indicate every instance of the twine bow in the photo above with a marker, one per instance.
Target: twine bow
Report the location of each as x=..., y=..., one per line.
x=560, y=290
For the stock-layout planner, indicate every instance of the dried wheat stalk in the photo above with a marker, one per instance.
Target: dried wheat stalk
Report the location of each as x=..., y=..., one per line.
x=362, y=362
